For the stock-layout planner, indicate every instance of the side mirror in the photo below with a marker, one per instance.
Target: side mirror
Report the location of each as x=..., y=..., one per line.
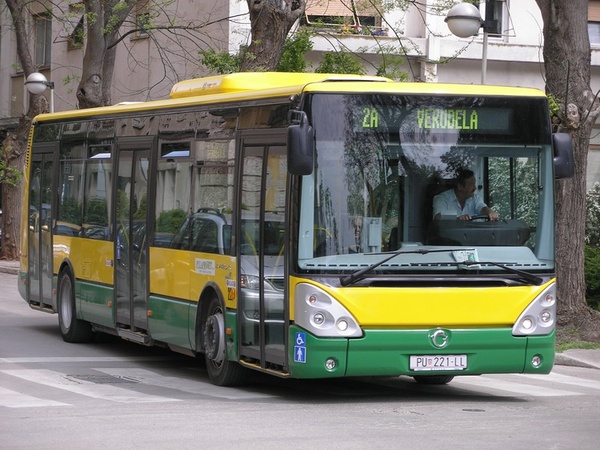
x=301, y=144
x=564, y=164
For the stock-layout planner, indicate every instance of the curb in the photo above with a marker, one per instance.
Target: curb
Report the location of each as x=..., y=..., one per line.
x=561, y=359
x=9, y=270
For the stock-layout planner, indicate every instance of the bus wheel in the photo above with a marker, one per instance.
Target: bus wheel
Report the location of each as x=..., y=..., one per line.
x=221, y=371
x=71, y=328
x=433, y=379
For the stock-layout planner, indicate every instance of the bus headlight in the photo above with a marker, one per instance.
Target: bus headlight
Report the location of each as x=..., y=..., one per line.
x=539, y=318
x=322, y=315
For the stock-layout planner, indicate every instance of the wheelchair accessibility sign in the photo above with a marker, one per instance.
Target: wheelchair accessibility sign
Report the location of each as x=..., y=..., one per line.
x=300, y=348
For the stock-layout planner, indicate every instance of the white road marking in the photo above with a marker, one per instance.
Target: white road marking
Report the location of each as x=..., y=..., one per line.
x=87, y=388
x=14, y=399
x=81, y=359
x=565, y=379
x=490, y=381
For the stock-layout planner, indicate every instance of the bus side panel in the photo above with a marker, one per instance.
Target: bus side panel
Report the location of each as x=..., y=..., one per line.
x=170, y=320
x=92, y=260
x=92, y=263
x=94, y=303
x=177, y=281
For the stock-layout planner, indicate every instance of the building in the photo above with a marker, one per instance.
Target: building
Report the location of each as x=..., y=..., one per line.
x=149, y=63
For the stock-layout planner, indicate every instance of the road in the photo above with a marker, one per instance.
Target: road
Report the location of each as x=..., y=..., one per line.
x=112, y=393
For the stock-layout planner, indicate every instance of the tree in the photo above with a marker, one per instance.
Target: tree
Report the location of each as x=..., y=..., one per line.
x=270, y=23
x=567, y=66
x=104, y=20
x=292, y=59
x=14, y=147
x=101, y=35
x=341, y=62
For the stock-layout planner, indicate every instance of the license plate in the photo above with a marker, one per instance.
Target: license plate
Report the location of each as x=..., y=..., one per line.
x=438, y=362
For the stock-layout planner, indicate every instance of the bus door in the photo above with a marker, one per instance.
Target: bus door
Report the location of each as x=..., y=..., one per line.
x=261, y=250
x=131, y=244
x=40, y=227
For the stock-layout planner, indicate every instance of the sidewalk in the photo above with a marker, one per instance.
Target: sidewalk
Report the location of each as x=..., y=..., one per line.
x=573, y=357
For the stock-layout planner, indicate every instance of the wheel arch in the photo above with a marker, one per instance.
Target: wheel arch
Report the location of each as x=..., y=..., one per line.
x=210, y=290
x=66, y=266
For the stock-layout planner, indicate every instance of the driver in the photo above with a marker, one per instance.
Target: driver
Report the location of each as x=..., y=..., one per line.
x=462, y=201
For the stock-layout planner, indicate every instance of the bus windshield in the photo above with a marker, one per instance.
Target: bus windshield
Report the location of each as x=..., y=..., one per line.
x=382, y=160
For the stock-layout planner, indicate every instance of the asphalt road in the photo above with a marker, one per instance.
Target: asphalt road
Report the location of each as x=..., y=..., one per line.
x=111, y=393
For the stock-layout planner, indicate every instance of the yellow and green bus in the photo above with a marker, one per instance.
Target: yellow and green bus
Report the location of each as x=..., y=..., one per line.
x=284, y=223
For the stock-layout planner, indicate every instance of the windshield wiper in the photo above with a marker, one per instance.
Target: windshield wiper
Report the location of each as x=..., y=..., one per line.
x=525, y=275
x=359, y=274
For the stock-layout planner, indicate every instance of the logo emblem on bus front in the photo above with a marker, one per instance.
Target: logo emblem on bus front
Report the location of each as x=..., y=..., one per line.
x=439, y=338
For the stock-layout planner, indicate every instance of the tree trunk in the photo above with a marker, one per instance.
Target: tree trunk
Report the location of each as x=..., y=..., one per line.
x=270, y=22
x=15, y=143
x=99, y=59
x=567, y=64
x=14, y=151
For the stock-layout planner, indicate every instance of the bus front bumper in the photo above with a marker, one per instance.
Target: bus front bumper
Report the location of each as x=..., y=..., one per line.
x=420, y=352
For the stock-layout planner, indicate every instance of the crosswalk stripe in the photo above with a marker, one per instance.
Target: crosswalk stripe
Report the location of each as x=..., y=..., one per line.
x=100, y=382
x=490, y=381
x=81, y=359
x=181, y=384
x=14, y=399
x=83, y=387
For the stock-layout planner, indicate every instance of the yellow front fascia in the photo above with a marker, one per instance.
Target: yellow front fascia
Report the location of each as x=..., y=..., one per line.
x=432, y=306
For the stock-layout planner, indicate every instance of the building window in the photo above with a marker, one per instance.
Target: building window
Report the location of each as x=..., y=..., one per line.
x=43, y=40
x=143, y=19
x=345, y=15
x=76, y=37
x=594, y=21
x=594, y=32
x=143, y=22
x=493, y=14
x=76, y=24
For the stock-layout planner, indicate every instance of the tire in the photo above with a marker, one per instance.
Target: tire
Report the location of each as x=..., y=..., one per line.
x=433, y=379
x=221, y=371
x=72, y=329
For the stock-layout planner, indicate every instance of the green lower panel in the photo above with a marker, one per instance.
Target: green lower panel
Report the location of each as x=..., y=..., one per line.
x=232, y=336
x=171, y=321
x=22, y=284
x=94, y=303
x=307, y=360
x=387, y=353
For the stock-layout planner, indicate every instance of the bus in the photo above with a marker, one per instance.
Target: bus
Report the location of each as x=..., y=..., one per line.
x=283, y=223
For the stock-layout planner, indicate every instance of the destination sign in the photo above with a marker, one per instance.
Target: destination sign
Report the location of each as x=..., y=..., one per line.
x=474, y=120
x=447, y=119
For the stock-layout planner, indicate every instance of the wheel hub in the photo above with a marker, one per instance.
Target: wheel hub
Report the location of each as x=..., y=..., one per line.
x=214, y=341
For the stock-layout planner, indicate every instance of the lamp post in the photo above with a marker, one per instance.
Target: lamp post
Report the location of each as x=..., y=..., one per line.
x=464, y=21
x=37, y=83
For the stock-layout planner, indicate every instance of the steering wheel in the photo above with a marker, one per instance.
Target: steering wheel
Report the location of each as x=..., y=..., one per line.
x=484, y=217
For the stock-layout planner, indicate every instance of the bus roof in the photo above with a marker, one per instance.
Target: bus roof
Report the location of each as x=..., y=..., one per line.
x=247, y=86
x=258, y=81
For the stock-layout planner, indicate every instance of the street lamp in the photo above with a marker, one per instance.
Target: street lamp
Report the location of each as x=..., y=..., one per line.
x=37, y=83
x=464, y=21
